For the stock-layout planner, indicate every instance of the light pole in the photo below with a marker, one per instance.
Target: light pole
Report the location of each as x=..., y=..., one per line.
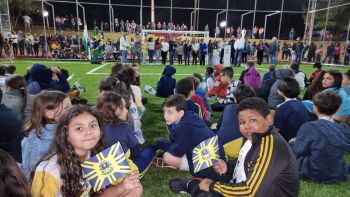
x=242, y=16
x=226, y=16
x=45, y=35
x=266, y=20
x=53, y=15
x=279, y=27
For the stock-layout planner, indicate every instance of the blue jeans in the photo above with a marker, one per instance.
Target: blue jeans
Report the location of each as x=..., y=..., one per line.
x=124, y=57
x=298, y=57
x=171, y=57
x=150, y=56
x=134, y=54
x=145, y=158
x=158, y=56
x=272, y=59
x=238, y=57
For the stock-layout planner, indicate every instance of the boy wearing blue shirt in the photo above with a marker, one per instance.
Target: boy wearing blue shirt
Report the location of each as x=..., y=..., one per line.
x=292, y=113
x=186, y=132
x=320, y=145
x=266, y=166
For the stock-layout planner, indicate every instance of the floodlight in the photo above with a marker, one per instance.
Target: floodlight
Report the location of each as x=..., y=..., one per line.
x=45, y=13
x=223, y=24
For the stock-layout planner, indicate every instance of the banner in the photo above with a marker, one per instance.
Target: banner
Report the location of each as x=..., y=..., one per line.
x=227, y=55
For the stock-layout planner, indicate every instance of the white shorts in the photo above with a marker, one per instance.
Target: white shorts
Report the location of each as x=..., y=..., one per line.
x=184, y=164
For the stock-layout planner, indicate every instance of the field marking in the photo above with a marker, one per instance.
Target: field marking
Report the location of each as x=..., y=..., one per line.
x=53, y=62
x=91, y=72
x=153, y=74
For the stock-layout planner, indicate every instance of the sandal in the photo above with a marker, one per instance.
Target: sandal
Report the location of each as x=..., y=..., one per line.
x=159, y=162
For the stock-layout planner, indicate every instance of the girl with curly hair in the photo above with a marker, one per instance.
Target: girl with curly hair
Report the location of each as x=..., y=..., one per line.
x=77, y=138
x=113, y=112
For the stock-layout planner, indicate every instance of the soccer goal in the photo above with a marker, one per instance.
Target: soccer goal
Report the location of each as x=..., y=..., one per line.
x=167, y=34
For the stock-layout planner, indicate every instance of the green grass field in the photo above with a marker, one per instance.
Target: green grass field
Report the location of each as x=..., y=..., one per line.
x=155, y=182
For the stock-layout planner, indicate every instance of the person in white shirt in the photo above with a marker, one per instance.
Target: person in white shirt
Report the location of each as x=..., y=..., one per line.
x=239, y=46
x=124, y=45
x=26, y=20
x=164, y=49
x=195, y=49
x=150, y=47
x=299, y=76
x=14, y=39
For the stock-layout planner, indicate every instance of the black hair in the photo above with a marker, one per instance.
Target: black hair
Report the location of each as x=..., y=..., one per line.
x=254, y=103
x=243, y=91
x=294, y=67
x=317, y=65
x=272, y=68
x=210, y=70
x=185, y=86
x=176, y=100
x=199, y=76
x=250, y=64
x=227, y=71
x=327, y=102
x=338, y=78
x=10, y=69
x=289, y=87
x=2, y=71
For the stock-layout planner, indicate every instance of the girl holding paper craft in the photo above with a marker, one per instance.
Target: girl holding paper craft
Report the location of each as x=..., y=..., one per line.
x=77, y=138
x=114, y=115
x=48, y=107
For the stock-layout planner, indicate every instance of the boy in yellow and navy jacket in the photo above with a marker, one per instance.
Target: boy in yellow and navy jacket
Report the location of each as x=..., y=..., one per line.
x=266, y=165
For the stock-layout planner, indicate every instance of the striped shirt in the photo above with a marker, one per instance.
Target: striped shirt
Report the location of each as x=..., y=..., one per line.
x=229, y=95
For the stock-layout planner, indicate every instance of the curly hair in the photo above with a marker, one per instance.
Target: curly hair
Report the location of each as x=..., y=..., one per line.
x=67, y=160
x=12, y=181
x=106, y=105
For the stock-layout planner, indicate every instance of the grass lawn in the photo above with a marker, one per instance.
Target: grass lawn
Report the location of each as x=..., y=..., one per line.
x=155, y=182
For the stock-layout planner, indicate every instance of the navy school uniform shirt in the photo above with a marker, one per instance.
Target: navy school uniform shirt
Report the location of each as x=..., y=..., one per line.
x=186, y=135
x=228, y=125
x=166, y=84
x=192, y=107
x=289, y=116
x=123, y=133
x=319, y=148
x=11, y=132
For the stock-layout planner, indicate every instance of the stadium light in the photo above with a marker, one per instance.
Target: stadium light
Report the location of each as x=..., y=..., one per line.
x=45, y=13
x=223, y=24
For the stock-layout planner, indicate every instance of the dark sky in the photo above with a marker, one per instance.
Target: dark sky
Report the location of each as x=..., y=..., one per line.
x=100, y=13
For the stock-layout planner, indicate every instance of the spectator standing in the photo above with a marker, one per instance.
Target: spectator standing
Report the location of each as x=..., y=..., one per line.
x=195, y=50
x=329, y=53
x=291, y=34
x=151, y=47
x=273, y=51
x=347, y=53
x=124, y=45
x=298, y=49
x=164, y=49
x=260, y=48
x=158, y=47
x=27, y=20
x=336, y=53
x=203, y=52
x=312, y=52
x=239, y=46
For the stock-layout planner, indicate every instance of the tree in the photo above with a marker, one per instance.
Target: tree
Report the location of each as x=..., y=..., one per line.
x=338, y=18
x=20, y=7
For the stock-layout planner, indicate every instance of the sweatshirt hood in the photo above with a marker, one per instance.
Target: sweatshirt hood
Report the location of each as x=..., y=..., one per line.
x=284, y=72
x=169, y=70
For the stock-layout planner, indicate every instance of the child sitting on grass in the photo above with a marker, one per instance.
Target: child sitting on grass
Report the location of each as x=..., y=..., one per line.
x=166, y=84
x=292, y=113
x=226, y=77
x=266, y=165
x=320, y=145
x=185, y=87
x=113, y=113
x=186, y=132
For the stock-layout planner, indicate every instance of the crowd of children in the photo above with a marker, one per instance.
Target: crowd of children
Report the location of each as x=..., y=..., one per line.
x=268, y=138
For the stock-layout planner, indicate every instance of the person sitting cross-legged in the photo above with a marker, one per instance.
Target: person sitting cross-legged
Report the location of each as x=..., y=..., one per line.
x=266, y=165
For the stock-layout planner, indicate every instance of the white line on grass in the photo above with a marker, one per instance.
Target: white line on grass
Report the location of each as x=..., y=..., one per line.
x=151, y=74
x=91, y=72
x=51, y=62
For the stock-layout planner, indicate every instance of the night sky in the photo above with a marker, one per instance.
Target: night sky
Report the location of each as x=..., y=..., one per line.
x=100, y=13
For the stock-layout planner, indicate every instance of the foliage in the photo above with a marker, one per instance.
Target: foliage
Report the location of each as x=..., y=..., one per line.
x=19, y=8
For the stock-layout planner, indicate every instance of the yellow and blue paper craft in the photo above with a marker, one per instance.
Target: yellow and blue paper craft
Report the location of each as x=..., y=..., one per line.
x=106, y=167
x=206, y=154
